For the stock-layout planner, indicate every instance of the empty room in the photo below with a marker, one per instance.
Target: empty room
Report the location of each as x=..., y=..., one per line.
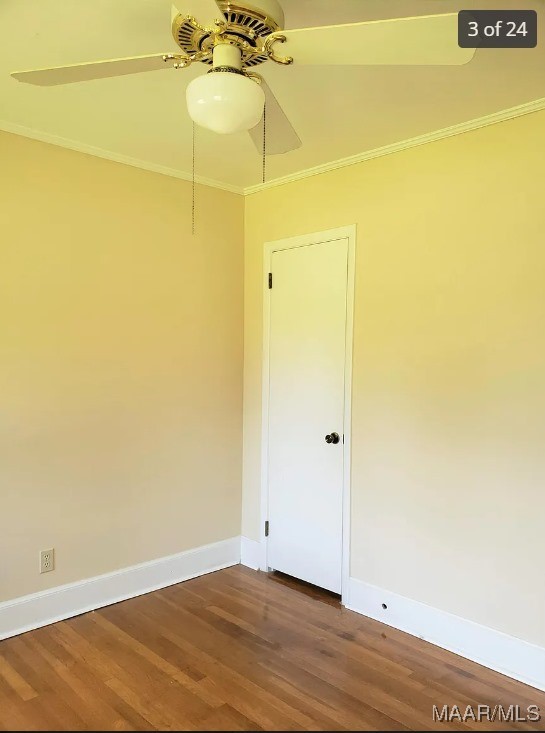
x=272, y=365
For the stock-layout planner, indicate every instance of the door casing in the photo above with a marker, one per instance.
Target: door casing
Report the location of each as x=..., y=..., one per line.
x=346, y=232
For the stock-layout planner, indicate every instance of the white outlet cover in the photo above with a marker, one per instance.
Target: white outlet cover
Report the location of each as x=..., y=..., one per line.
x=47, y=561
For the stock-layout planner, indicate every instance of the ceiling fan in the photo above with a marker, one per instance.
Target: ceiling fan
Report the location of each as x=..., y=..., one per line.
x=236, y=37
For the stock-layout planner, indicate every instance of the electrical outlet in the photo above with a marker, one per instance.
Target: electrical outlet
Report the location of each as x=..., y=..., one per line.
x=47, y=561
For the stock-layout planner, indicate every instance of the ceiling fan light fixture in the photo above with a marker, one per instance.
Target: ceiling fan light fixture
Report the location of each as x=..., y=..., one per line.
x=225, y=101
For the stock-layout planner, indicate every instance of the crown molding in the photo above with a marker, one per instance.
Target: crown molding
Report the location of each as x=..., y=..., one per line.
x=501, y=116
x=63, y=142
x=492, y=119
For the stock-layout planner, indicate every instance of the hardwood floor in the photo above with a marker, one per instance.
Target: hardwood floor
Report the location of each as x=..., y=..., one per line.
x=312, y=591
x=237, y=650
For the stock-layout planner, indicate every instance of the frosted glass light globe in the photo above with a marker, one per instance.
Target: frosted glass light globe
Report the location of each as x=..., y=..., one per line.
x=225, y=102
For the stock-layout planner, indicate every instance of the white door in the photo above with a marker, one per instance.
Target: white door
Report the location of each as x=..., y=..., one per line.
x=307, y=351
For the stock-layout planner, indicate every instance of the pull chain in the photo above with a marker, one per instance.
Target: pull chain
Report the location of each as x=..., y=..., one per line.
x=264, y=142
x=193, y=186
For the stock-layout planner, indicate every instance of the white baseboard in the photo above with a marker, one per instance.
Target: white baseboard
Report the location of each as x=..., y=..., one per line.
x=498, y=651
x=493, y=649
x=47, y=607
x=251, y=554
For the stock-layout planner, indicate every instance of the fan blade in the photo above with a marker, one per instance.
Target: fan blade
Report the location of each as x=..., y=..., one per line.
x=425, y=40
x=92, y=70
x=204, y=11
x=280, y=136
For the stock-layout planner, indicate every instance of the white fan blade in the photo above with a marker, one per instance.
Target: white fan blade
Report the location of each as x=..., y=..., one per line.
x=92, y=70
x=280, y=136
x=425, y=40
x=206, y=12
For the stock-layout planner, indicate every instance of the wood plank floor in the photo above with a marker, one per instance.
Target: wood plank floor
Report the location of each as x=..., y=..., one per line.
x=238, y=650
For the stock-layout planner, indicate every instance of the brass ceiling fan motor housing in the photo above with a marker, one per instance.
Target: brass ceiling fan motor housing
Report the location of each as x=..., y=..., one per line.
x=248, y=26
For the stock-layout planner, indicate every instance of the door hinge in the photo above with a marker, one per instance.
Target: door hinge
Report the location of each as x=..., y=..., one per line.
x=270, y=280
x=267, y=528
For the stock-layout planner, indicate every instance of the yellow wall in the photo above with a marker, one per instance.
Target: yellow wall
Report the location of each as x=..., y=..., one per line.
x=448, y=473
x=120, y=365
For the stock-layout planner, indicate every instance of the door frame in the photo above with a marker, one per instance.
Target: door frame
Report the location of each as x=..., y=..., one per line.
x=331, y=235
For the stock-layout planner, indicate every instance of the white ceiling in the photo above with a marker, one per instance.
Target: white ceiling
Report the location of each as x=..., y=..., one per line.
x=337, y=112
